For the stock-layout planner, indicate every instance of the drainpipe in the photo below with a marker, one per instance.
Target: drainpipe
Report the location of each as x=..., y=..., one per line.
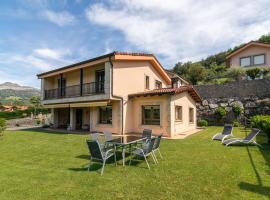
x=117, y=97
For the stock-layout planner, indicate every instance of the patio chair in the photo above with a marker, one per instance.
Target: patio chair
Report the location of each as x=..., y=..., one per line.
x=249, y=139
x=227, y=132
x=99, y=154
x=156, y=146
x=147, y=133
x=107, y=137
x=144, y=152
x=94, y=136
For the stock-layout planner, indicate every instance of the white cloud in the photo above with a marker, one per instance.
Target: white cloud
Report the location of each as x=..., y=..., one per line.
x=184, y=30
x=60, y=18
x=52, y=53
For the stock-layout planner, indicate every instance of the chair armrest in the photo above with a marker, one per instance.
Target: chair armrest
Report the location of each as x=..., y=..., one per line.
x=139, y=149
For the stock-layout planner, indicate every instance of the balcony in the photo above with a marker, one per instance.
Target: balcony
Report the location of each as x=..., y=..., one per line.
x=75, y=91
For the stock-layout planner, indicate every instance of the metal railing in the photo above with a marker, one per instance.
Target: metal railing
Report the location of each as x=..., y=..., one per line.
x=75, y=91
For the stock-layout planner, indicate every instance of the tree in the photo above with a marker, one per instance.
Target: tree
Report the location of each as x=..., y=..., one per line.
x=14, y=100
x=196, y=72
x=35, y=101
x=182, y=69
x=265, y=38
x=254, y=73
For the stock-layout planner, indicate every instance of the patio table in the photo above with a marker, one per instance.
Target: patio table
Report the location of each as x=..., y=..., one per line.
x=125, y=141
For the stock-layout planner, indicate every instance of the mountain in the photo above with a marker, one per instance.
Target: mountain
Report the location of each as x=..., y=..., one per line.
x=8, y=89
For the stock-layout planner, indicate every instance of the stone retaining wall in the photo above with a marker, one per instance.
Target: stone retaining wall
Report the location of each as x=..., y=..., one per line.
x=253, y=96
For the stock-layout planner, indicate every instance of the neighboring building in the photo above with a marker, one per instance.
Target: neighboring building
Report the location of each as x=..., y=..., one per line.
x=121, y=93
x=177, y=81
x=252, y=54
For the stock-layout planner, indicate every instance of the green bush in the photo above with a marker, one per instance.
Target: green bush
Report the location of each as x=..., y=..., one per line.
x=22, y=113
x=237, y=109
x=254, y=73
x=38, y=121
x=262, y=122
x=221, y=112
x=2, y=125
x=236, y=124
x=202, y=123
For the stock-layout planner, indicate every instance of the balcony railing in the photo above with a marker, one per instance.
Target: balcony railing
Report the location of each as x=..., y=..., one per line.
x=75, y=91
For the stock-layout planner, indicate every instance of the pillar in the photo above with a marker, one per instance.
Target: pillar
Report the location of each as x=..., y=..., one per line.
x=72, y=125
x=54, y=117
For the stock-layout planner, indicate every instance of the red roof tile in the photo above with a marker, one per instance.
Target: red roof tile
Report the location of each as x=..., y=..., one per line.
x=170, y=91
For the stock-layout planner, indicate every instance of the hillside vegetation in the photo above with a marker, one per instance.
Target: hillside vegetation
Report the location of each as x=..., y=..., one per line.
x=24, y=93
x=212, y=70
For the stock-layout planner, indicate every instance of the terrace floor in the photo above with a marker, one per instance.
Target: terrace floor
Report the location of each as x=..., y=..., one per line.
x=52, y=165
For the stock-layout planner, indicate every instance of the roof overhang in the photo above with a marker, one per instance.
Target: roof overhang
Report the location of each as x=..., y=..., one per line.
x=77, y=105
x=117, y=56
x=252, y=43
x=170, y=91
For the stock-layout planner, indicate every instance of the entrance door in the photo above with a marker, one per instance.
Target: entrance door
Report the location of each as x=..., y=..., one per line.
x=79, y=117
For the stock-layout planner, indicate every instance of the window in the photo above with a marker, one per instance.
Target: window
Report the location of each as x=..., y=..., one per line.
x=100, y=78
x=178, y=113
x=158, y=84
x=151, y=115
x=259, y=59
x=105, y=115
x=176, y=83
x=146, y=82
x=191, y=115
x=245, y=61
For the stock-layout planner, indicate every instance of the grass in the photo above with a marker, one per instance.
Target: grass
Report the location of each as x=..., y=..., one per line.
x=42, y=165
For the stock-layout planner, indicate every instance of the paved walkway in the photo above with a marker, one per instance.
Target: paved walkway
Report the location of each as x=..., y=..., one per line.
x=21, y=128
x=186, y=134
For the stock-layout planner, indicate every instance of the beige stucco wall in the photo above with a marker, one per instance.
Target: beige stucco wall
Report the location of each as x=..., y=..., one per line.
x=251, y=51
x=186, y=101
x=114, y=127
x=134, y=121
x=129, y=77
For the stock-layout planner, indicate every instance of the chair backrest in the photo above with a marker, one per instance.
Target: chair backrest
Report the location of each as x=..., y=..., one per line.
x=94, y=136
x=157, y=142
x=108, y=136
x=147, y=133
x=94, y=149
x=150, y=145
x=252, y=134
x=227, y=130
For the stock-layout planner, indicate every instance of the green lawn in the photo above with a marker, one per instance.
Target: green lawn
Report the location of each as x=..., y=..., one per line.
x=40, y=165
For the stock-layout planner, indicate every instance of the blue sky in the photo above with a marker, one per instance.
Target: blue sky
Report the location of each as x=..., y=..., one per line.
x=40, y=35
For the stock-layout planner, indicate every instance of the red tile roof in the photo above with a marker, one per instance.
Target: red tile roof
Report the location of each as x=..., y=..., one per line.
x=170, y=91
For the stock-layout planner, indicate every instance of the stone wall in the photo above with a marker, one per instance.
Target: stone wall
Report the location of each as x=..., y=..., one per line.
x=252, y=96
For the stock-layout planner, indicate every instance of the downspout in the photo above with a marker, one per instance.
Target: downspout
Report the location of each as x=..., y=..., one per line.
x=117, y=97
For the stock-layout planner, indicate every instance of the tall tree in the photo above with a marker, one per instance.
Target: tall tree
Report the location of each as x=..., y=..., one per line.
x=196, y=73
x=14, y=100
x=35, y=101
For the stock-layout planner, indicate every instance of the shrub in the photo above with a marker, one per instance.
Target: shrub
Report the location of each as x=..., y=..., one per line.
x=262, y=122
x=22, y=113
x=38, y=121
x=202, y=123
x=237, y=109
x=236, y=124
x=221, y=112
x=235, y=73
x=2, y=125
x=254, y=73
